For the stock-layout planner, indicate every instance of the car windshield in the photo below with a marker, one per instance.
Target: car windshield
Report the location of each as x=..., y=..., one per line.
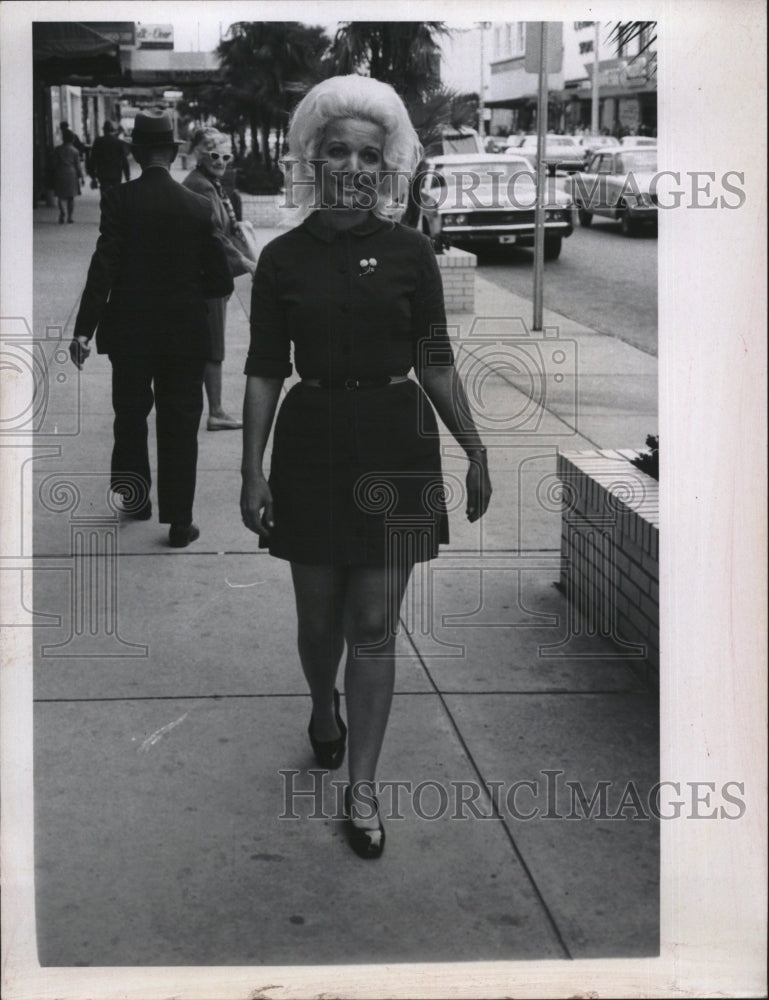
x=637, y=161
x=459, y=144
x=457, y=175
x=551, y=141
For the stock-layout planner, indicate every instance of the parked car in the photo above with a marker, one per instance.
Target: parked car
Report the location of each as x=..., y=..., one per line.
x=495, y=144
x=459, y=139
x=592, y=143
x=562, y=152
x=617, y=184
x=471, y=201
x=638, y=140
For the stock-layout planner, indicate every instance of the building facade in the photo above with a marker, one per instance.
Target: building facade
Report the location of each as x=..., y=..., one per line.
x=627, y=81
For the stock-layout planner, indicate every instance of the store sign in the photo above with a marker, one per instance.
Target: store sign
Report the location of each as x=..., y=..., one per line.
x=620, y=72
x=122, y=32
x=155, y=36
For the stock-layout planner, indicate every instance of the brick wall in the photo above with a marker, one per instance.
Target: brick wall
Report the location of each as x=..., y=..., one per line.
x=264, y=211
x=458, y=274
x=610, y=547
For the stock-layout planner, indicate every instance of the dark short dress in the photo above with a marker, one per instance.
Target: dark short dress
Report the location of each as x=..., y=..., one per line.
x=355, y=473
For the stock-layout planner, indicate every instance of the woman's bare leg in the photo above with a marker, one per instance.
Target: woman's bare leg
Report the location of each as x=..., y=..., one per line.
x=319, y=593
x=212, y=379
x=372, y=604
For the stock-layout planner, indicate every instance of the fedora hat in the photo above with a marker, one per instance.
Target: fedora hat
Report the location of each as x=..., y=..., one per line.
x=153, y=127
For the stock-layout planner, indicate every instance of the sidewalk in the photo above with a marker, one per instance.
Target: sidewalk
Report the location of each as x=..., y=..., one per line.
x=168, y=704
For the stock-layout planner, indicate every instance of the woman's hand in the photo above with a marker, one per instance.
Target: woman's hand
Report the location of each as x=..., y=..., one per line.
x=255, y=497
x=478, y=485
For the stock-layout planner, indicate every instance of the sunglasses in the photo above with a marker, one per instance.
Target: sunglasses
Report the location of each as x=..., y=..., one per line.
x=224, y=157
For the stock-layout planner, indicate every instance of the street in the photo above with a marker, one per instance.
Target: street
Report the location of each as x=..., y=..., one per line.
x=602, y=279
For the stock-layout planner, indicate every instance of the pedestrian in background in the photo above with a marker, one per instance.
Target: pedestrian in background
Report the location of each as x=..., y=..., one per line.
x=109, y=161
x=68, y=135
x=355, y=495
x=157, y=260
x=213, y=152
x=67, y=175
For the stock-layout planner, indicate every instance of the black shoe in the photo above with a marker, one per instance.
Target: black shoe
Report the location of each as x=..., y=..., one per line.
x=330, y=753
x=180, y=535
x=367, y=844
x=143, y=513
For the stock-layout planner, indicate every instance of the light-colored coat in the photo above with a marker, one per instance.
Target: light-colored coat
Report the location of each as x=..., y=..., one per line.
x=238, y=262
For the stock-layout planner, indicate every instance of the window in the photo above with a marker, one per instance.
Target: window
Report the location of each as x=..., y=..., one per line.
x=606, y=164
x=585, y=47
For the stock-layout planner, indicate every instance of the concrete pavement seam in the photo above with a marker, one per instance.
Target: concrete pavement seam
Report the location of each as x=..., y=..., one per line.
x=516, y=850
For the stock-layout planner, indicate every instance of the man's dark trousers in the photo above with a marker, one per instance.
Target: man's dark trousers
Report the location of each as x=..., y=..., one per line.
x=175, y=385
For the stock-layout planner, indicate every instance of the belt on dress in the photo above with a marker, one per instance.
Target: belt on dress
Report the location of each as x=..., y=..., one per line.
x=365, y=382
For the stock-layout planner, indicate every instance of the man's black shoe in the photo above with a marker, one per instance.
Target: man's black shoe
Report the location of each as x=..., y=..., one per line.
x=140, y=514
x=180, y=535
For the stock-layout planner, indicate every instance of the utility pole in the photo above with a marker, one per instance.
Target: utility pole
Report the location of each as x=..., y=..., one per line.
x=594, y=125
x=539, y=210
x=481, y=103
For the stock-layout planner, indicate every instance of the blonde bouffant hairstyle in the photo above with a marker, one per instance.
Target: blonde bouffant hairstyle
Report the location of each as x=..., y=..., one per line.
x=352, y=97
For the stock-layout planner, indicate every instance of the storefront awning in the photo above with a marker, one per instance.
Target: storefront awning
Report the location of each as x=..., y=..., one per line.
x=68, y=51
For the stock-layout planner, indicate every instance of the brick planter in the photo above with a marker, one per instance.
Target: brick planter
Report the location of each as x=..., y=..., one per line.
x=610, y=548
x=458, y=274
x=265, y=212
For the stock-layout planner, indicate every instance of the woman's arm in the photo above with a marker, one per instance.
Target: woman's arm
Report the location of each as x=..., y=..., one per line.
x=259, y=406
x=444, y=389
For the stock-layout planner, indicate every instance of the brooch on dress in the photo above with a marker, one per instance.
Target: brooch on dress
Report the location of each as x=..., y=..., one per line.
x=367, y=266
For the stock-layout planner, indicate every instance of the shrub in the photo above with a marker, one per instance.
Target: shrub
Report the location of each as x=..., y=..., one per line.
x=649, y=461
x=253, y=177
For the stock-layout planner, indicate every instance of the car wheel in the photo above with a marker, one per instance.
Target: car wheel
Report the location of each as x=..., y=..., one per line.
x=553, y=247
x=627, y=225
x=585, y=217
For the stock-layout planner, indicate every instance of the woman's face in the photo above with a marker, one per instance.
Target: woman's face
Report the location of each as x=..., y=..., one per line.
x=214, y=155
x=352, y=155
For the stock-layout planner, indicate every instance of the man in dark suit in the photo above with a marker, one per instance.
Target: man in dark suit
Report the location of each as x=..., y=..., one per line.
x=156, y=261
x=108, y=162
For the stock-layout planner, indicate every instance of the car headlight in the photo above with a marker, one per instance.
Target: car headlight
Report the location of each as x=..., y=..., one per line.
x=460, y=219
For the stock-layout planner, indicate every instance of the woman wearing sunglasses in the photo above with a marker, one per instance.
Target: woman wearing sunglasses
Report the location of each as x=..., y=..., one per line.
x=213, y=152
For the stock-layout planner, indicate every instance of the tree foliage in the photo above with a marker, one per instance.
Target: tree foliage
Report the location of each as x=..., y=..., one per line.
x=405, y=54
x=267, y=66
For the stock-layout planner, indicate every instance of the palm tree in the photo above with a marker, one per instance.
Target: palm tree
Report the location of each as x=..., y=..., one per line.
x=268, y=65
x=624, y=32
x=405, y=54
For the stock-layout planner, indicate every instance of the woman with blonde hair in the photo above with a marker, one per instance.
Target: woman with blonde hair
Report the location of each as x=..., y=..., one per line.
x=213, y=151
x=355, y=494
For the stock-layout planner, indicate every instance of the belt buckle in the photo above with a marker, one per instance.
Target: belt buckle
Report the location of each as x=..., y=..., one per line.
x=352, y=383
